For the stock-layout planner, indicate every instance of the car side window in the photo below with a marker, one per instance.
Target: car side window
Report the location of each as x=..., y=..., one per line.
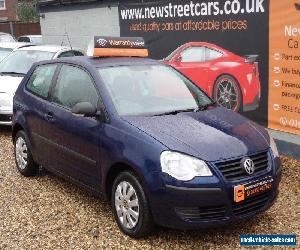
x=41, y=79
x=24, y=39
x=212, y=54
x=68, y=53
x=74, y=85
x=193, y=54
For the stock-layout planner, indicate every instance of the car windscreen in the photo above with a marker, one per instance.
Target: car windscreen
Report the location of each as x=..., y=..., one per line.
x=20, y=61
x=151, y=90
x=4, y=52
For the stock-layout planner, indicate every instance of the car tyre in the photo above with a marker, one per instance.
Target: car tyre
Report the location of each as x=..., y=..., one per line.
x=23, y=156
x=227, y=93
x=130, y=206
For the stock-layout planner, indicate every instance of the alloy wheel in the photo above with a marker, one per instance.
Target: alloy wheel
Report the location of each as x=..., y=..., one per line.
x=228, y=94
x=21, y=153
x=127, y=205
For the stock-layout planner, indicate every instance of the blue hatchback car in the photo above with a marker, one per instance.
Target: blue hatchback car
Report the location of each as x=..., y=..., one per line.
x=143, y=136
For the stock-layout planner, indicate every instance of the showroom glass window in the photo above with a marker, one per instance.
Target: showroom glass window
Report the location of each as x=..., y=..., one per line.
x=41, y=79
x=74, y=85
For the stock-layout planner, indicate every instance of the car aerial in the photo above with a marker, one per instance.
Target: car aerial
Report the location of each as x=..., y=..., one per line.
x=7, y=47
x=36, y=39
x=14, y=67
x=231, y=80
x=139, y=133
x=5, y=37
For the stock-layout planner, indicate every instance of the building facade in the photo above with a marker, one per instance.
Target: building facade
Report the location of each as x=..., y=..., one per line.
x=78, y=22
x=8, y=10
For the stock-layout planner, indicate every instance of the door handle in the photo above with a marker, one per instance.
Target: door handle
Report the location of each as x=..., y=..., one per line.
x=49, y=117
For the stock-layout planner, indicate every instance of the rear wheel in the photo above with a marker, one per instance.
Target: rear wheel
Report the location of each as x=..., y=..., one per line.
x=130, y=206
x=23, y=156
x=227, y=93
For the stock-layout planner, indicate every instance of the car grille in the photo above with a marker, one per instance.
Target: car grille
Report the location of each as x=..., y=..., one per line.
x=5, y=118
x=250, y=205
x=201, y=213
x=232, y=170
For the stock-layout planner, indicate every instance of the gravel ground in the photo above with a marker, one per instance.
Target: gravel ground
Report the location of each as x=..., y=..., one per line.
x=46, y=212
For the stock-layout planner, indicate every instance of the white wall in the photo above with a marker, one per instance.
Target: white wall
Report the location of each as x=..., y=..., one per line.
x=80, y=23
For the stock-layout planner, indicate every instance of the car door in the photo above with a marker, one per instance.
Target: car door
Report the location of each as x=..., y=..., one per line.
x=192, y=63
x=36, y=94
x=74, y=140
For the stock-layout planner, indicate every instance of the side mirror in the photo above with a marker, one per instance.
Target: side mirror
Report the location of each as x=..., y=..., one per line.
x=85, y=109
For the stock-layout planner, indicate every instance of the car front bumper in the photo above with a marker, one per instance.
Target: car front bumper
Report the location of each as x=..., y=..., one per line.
x=6, y=108
x=6, y=118
x=205, y=207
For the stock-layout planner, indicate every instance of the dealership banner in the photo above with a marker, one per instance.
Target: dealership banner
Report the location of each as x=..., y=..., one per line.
x=242, y=53
x=284, y=81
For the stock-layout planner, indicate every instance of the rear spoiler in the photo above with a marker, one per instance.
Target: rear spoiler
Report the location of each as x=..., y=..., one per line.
x=251, y=58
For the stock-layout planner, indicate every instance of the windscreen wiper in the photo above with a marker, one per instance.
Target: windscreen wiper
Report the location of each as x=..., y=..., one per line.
x=12, y=73
x=200, y=108
x=175, y=112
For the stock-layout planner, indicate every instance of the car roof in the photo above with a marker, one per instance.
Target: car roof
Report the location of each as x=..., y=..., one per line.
x=14, y=45
x=48, y=48
x=101, y=62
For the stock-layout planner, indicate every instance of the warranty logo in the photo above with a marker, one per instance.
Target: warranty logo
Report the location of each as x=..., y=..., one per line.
x=102, y=42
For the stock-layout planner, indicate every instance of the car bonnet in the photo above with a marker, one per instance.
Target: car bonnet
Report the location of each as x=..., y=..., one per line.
x=210, y=135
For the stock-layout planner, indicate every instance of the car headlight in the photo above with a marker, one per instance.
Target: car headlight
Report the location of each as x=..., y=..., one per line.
x=273, y=147
x=183, y=167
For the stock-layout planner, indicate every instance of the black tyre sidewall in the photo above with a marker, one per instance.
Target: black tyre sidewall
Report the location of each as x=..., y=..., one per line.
x=31, y=168
x=240, y=108
x=145, y=223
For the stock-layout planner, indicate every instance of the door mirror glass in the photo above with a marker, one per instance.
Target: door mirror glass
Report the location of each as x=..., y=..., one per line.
x=85, y=109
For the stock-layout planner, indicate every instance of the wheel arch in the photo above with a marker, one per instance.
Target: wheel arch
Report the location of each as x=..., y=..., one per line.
x=16, y=128
x=113, y=172
x=226, y=74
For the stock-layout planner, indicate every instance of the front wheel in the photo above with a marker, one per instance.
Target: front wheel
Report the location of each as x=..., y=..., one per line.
x=130, y=206
x=227, y=93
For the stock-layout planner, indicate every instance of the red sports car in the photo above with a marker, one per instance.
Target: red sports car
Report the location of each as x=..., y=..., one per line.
x=231, y=80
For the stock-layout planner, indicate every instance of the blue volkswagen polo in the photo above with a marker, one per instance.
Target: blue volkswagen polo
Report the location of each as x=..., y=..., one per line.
x=140, y=134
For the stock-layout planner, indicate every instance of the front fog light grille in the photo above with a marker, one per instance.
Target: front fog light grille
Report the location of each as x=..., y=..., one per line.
x=201, y=213
x=5, y=118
